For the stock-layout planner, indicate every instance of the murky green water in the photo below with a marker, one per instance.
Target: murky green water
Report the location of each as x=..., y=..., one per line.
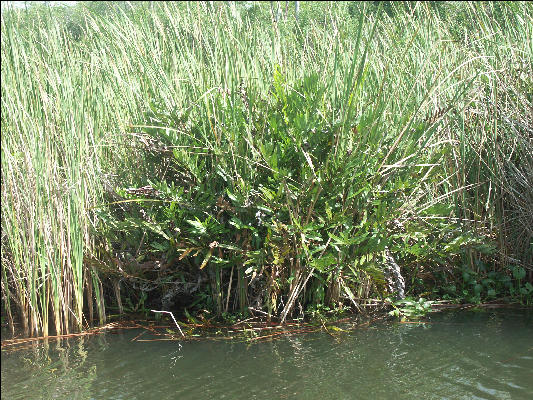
x=459, y=355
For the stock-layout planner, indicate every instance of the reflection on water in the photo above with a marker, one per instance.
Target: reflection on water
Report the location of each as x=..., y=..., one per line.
x=458, y=355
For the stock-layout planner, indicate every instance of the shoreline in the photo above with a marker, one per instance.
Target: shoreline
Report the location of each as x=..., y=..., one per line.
x=252, y=329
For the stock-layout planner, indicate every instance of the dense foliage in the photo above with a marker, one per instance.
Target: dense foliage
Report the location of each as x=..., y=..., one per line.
x=204, y=156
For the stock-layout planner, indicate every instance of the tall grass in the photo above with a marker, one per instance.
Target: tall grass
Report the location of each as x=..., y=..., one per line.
x=50, y=173
x=285, y=159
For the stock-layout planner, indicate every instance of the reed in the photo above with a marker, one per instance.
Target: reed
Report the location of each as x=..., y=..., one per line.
x=296, y=151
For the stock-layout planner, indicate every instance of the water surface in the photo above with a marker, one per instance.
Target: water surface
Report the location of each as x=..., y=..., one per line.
x=456, y=355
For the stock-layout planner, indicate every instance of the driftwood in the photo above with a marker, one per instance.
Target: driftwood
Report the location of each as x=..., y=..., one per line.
x=94, y=331
x=252, y=329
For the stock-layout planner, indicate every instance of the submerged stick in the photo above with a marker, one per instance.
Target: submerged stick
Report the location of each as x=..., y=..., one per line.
x=138, y=336
x=293, y=332
x=172, y=315
x=94, y=331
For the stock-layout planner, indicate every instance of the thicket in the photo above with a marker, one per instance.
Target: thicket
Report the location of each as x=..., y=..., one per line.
x=195, y=156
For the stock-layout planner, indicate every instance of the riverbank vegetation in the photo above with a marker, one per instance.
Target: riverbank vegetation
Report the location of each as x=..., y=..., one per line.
x=204, y=158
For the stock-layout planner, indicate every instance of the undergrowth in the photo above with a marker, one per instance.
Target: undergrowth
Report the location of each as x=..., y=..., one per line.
x=206, y=157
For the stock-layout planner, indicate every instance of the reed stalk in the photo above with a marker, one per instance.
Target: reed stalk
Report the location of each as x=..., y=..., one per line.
x=352, y=130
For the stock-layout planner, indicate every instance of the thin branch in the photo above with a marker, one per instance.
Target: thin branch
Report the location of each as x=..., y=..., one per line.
x=172, y=315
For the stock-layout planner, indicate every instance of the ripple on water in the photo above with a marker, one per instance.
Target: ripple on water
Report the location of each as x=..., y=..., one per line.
x=456, y=356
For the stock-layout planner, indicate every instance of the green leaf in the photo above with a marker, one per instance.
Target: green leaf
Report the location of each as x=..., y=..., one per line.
x=519, y=273
x=206, y=259
x=478, y=288
x=325, y=261
x=199, y=227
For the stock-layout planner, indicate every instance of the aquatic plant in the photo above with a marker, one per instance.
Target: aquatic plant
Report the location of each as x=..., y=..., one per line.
x=209, y=156
x=410, y=308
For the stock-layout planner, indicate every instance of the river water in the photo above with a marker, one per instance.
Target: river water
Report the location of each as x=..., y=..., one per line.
x=453, y=355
